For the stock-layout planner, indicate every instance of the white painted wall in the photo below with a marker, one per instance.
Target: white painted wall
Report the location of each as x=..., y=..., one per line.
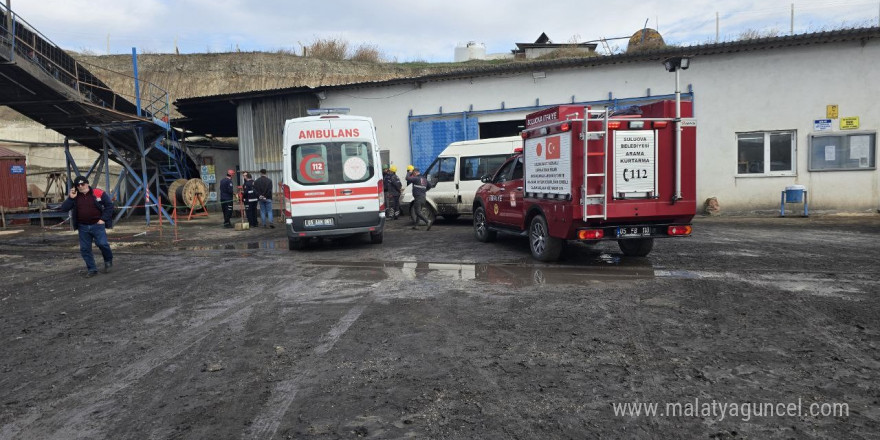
x=778, y=89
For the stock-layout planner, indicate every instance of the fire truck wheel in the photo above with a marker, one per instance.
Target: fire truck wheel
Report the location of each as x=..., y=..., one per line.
x=296, y=244
x=427, y=212
x=636, y=247
x=544, y=247
x=376, y=238
x=481, y=229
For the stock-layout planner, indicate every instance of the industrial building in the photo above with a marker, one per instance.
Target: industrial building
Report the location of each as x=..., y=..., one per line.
x=770, y=112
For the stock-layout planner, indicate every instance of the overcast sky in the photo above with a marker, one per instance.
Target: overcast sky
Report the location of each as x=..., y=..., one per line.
x=414, y=30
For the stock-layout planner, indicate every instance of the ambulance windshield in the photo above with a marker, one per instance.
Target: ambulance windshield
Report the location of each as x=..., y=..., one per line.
x=332, y=163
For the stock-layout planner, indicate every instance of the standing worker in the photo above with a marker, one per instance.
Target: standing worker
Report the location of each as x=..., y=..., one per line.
x=420, y=188
x=263, y=187
x=250, y=199
x=392, y=187
x=92, y=215
x=227, y=194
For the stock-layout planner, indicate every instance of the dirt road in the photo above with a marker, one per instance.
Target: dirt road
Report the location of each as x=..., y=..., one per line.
x=433, y=335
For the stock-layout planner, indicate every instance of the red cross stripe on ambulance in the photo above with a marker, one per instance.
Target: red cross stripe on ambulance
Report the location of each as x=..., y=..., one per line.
x=328, y=195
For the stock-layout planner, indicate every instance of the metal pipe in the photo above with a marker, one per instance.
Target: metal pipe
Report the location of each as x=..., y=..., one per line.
x=677, y=195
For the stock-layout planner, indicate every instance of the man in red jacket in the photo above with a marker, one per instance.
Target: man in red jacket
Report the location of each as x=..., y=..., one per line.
x=92, y=215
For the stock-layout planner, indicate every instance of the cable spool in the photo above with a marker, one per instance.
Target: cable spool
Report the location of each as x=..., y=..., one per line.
x=172, y=189
x=186, y=193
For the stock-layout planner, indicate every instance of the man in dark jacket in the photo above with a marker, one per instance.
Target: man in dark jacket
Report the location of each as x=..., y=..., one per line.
x=392, y=187
x=421, y=185
x=263, y=187
x=227, y=194
x=250, y=199
x=91, y=215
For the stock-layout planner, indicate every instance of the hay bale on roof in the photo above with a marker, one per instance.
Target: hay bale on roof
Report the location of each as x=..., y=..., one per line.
x=645, y=39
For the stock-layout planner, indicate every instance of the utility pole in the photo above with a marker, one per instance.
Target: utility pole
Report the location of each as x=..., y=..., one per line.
x=9, y=18
x=717, y=26
x=792, y=19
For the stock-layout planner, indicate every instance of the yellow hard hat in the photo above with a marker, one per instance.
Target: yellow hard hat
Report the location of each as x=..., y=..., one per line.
x=409, y=167
x=393, y=168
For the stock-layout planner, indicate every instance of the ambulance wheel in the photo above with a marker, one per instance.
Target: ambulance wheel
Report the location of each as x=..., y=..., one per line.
x=636, y=247
x=481, y=227
x=544, y=247
x=376, y=238
x=296, y=244
x=427, y=212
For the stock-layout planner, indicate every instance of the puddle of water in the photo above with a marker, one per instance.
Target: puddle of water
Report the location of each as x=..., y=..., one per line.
x=515, y=275
x=263, y=244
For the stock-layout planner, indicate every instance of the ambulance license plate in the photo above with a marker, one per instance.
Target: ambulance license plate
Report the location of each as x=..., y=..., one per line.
x=634, y=231
x=318, y=222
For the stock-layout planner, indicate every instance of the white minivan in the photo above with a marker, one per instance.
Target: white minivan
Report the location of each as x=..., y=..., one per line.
x=456, y=175
x=332, y=178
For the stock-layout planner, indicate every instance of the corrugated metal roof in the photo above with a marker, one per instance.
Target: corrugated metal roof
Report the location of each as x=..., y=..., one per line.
x=757, y=44
x=6, y=153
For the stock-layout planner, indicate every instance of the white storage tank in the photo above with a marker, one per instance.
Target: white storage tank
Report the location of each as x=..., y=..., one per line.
x=470, y=51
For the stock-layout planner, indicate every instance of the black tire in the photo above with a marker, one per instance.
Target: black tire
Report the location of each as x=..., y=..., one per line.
x=427, y=212
x=296, y=244
x=543, y=246
x=636, y=247
x=481, y=227
x=376, y=238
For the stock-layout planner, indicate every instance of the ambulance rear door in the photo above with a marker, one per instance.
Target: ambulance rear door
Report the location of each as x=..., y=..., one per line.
x=357, y=193
x=312, y=190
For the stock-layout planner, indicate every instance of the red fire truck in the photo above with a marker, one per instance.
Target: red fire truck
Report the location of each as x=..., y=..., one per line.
x=593, y=175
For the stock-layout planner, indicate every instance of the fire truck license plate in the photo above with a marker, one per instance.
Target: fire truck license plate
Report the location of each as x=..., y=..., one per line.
x=317, y=222
x=634, y=231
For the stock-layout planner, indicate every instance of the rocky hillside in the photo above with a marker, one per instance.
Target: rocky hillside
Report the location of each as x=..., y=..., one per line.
x=191, y=75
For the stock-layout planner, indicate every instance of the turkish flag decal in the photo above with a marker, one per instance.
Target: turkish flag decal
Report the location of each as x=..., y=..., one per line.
x=553, y=147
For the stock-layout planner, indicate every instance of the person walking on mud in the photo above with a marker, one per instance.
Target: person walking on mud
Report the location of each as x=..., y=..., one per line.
x=91, y=216
x=227, y=195
x=250, y=199
x=263, y=187
x=420, y=185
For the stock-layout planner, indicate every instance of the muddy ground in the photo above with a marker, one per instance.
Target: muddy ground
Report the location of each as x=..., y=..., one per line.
x=227, y=334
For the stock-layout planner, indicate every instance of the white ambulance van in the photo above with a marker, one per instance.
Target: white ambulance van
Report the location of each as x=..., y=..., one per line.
x=332, y=177
x=456, y=175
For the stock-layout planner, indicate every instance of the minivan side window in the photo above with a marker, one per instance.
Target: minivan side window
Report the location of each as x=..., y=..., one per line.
x=443, y=168
x=332, y=163
x=472, y=168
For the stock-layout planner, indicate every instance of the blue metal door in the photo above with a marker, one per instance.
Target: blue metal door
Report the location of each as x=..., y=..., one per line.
x=428, y=138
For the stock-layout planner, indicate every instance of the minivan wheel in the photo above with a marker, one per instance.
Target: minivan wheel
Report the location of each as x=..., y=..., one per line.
x=481, y=228
x=427, y=212
x=636, y=247
x=543, y=246
x=376, y=237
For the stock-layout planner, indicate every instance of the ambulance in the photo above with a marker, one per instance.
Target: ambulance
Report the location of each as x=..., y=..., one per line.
x=332, y=180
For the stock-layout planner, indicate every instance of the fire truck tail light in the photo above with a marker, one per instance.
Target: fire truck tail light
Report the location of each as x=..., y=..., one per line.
x=679, y=230
x=590, y=234
x=636, y=124
x=616, y=124
x=565, y=126
x=660, y=124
